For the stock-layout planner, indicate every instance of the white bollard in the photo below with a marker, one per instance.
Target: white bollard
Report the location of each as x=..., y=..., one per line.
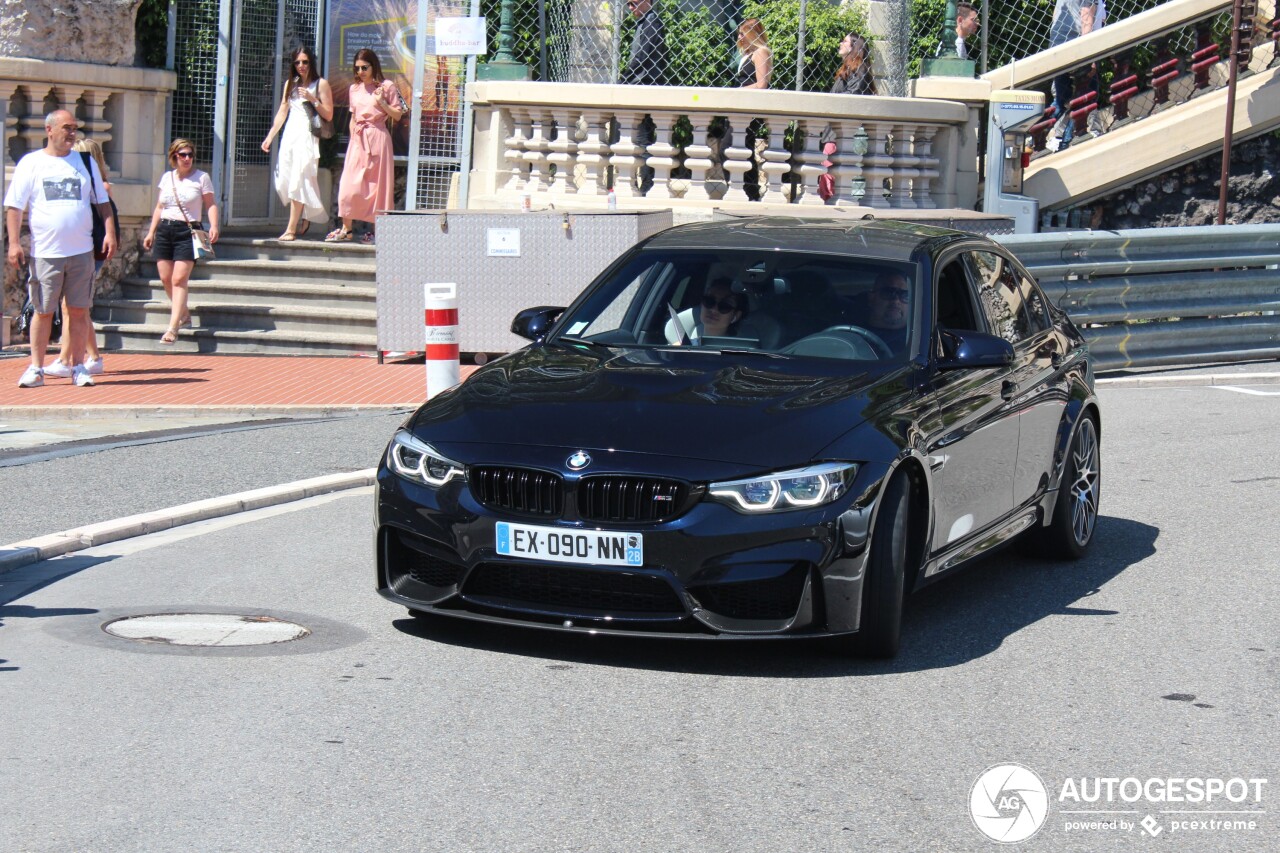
x=442, y=337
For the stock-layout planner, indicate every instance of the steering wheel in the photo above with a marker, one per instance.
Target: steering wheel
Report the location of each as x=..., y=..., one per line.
x=874, y=341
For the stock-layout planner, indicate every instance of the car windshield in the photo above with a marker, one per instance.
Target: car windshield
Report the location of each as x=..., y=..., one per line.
x=788, y=304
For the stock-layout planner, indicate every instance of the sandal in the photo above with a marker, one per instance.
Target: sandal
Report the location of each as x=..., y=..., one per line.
x=186, y=322
x=306, y=225
x=339, y=235
x=169, y=337
x=287, y=237
x=367, y=239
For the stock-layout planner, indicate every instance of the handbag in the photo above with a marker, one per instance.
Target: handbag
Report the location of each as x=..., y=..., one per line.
x=99, y=225
x=201, y=245
x=321, y=128
x=28, y=311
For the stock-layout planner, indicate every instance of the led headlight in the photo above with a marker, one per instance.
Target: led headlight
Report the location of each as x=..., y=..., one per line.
x=804, y=487
x=418, y=461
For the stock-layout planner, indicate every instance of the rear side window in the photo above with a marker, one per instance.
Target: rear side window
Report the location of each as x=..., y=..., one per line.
x=1003, y=294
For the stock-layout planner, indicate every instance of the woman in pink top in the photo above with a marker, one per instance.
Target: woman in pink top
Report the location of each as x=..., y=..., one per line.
x=368, y=175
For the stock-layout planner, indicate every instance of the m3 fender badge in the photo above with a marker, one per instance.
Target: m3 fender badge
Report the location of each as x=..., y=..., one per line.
x=579, y=460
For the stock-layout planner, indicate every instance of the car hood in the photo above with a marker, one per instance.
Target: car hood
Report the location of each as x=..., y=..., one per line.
x=744, y=409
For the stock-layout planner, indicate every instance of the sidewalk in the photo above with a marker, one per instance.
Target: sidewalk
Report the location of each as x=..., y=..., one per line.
x=147, y=384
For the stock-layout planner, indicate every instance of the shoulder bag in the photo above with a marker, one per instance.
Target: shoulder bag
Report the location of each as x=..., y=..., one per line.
x=100, y=226
x=321, y=128
x=201, y=245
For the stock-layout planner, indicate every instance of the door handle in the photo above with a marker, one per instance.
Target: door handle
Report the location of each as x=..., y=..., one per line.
x=1008, y=389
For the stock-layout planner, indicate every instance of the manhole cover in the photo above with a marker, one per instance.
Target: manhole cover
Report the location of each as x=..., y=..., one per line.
x=206, y=629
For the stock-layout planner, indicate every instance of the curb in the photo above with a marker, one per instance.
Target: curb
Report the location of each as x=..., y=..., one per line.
x=1189, y=380
x=78, y=413
x=30, y=551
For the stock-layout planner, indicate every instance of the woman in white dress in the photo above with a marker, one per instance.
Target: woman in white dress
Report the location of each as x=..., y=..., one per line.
x=299, y=160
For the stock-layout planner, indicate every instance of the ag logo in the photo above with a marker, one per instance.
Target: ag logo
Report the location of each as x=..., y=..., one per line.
x=1008, y=803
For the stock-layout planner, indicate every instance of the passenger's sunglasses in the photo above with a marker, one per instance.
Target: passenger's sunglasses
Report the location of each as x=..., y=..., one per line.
x=890, y=293
x=364, y=67
x=724, y=306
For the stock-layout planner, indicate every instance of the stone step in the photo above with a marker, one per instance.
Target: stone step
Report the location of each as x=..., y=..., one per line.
x=311, y=249
x=142, y=337
x=241, y=316
x=254, y=269
x=335, y=295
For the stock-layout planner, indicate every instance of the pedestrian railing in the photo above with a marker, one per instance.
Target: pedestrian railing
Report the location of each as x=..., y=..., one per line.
x=1133, y=69
x=711, y=147
x=122, y=108
x=1164, y=296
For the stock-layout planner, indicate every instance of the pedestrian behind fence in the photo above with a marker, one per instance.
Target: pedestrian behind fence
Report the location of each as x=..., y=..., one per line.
x=185, y=193
x=306, y=95
x=855, y=76
x=1071, y=19
x=57, y=190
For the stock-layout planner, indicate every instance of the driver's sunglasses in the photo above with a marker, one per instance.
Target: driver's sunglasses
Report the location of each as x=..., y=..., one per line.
x=889, y=293
x=724, y=306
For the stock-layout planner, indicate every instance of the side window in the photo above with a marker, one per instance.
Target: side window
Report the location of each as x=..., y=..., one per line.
x=1038, y=317
x=1001, y=295
x=954, y=305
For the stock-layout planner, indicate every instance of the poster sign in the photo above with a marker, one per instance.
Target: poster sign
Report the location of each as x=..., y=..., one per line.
x=459, y=36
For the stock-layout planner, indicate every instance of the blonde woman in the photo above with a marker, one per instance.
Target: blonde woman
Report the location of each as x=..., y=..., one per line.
x=755, y=60
x=298, y=164
x=185, y=193
x=92, y=358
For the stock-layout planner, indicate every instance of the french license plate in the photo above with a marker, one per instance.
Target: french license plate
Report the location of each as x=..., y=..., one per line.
x=555, y=544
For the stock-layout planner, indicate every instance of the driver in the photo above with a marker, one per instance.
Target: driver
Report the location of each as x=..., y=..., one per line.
x=890, y=303
x=721, y=310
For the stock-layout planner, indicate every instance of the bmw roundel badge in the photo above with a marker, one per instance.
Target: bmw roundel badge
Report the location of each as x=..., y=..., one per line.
x=579, y=460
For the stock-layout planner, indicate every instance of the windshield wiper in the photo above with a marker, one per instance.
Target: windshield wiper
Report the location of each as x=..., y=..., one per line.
x=571, y=339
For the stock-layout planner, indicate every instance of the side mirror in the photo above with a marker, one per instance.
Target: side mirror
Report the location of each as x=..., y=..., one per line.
x=967, y=349
x=534, y=323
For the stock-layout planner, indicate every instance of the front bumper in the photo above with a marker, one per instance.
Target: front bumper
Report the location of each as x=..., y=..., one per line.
x=711, y=572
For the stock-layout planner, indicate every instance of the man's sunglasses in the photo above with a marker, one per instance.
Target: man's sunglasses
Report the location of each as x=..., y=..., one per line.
x=724, y=306
x=889, y=293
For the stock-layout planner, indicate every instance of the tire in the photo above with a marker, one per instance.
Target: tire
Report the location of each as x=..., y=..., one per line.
x=1075, y=515
x=884, y=582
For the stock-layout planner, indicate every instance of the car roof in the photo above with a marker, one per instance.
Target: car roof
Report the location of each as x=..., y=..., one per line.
x=886, y=239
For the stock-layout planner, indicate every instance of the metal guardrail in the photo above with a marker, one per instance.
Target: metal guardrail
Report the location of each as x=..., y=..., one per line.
x=1164, y=296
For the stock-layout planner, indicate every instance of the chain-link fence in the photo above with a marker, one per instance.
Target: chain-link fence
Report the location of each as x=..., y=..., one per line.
x=591, y=41
x=195, y=60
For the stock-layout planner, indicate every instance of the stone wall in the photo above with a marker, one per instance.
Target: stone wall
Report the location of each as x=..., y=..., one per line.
x=1189, y=195
x=97, y=31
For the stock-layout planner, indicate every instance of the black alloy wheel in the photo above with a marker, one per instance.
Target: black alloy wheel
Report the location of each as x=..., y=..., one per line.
x=1075, y=517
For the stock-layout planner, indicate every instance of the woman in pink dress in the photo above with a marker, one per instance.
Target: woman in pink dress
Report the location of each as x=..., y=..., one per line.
x=368, y=175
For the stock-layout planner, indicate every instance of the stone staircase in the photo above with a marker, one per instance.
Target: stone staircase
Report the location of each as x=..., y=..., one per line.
x=259, y=296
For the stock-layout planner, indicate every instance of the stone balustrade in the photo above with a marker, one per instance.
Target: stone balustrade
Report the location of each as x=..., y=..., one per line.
x=567, y=144
x=123, y=108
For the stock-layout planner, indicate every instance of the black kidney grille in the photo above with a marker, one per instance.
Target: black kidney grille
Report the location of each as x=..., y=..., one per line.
x=522, y=490
x=775, y=598
x=572, y=590
x=630, y=499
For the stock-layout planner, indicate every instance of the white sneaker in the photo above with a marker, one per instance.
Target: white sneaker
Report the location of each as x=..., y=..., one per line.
x=33, y=377
x=94, y=366
x=81, y=376
x=57, y=369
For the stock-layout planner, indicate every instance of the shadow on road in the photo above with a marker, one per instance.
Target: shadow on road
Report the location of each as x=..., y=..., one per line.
x=954, y=621
x=24, y=581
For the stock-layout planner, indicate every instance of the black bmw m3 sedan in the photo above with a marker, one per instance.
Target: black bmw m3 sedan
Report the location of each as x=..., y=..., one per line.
x=765, y=427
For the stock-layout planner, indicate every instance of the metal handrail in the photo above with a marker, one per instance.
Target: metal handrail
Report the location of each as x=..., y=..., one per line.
x=1164, y=296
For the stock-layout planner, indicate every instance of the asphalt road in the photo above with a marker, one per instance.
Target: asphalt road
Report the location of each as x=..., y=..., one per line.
x=1156, y=656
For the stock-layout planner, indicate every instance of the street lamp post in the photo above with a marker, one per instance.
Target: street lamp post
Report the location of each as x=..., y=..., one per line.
x=947, y=63
x=504, y=65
